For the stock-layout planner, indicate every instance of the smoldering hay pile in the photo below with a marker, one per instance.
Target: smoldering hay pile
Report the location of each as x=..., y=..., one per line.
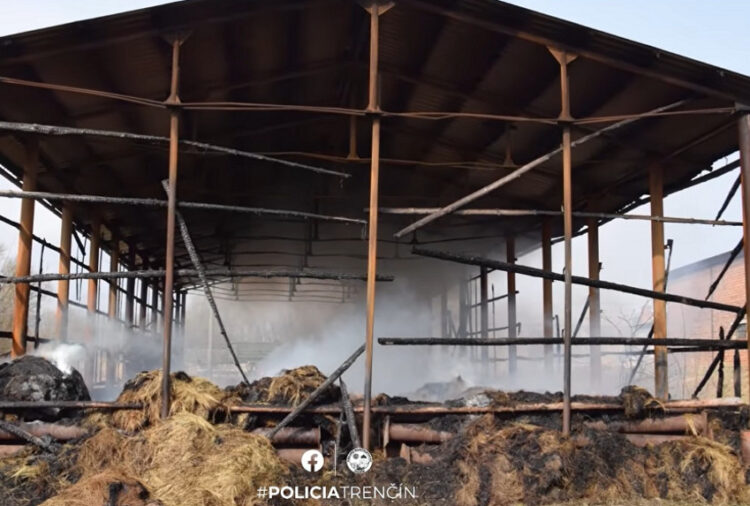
x=205, y=455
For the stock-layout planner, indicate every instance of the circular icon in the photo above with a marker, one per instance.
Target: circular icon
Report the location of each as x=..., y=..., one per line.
x=312, y=461
x=359, y=461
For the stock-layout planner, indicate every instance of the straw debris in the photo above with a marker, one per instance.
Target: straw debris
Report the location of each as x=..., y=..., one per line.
x=522, y=463
x=189, y=395
x=289, y=388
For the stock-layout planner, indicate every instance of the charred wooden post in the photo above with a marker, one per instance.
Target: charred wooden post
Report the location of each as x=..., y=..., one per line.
x=155, y=305
x=130, y=290
x=484, y=316
x=547, y=290
x=737, y=375
x=92, y=292
x=143, y=307
x=720, y=381
x=63, y=286
x=595, y=322
x=23, y=258
x=744, y=144
x=510, y=257
x=335, y=375
x=463, y=308
x=114, y=266
x=658, y=269
x=348, y=410
x=195, y=259
x=715, y=362
x=174, y=144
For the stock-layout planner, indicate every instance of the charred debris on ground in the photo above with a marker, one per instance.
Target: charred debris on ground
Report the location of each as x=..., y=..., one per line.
x=209, y=452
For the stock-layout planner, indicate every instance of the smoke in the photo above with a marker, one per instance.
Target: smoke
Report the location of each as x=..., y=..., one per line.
x=105, y=352
x=63, y=355
x=324, y=335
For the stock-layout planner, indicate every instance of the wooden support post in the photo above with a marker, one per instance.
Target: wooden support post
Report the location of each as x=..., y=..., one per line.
x=658, y=269
x=174, y=141
x=510, y=257
x=23, y=258
x=744, y=144
x=547, y=291
x=114, y=265
x=63, y=286
x=142, y=309
x=155, y=305
x=92, y=292
x=130, y=290
x=595, y=322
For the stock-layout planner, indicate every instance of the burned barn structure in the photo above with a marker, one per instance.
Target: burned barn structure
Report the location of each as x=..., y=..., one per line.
x=217, y=147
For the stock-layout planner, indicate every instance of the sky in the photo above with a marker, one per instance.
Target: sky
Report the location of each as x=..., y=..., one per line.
x=713, y=32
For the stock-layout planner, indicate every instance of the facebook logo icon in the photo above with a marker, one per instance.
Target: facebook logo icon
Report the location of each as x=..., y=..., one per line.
x=312, y=461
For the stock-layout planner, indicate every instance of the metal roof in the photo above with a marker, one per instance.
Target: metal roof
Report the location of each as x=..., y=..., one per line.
x=470, y=56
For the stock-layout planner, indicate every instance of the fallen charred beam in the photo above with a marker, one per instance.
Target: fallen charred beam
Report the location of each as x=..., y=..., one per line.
x=53, y=430
x=547, y=212
x=416, y=433
x=292, y=435
x=724, y=269
x=715, y=362
x=682, y=424
x=11, y=450
x=202, y=147
x=76, y=405
x=21, y=433
x=729, y=197
x=436, y=410
x=517, y=173
x=578, y=280
x=195, y=260
x=7, y=334
x=148, y=202
x=351, y=420
x=705, y=344
x=291, y=455
x=220, y=273
x=322, y=388
x=642, y=440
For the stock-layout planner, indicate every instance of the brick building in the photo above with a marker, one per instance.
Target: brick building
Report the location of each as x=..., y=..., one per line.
x=694, y=280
